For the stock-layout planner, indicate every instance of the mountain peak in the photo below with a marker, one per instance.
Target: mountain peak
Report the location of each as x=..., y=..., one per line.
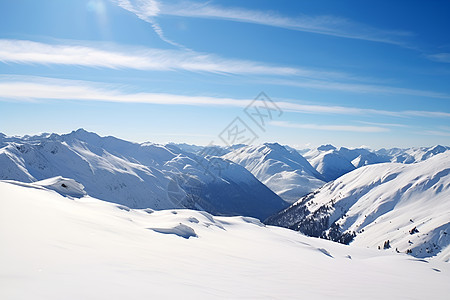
x=438, y=148
x=275, y=146
x=82, y=134
x=82, y=131
x=326, y=147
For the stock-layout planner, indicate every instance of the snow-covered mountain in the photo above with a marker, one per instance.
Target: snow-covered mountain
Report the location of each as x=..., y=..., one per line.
x=214, y=150
x=329, y=162
x=411, y=155
x=333, y=163
x=405, y=207
x=138, y=175
x=285, y=172
x=56, y=247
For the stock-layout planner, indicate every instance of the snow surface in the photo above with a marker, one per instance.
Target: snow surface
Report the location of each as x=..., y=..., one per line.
x=285, y=172
x=55, y=247
x=405, y=204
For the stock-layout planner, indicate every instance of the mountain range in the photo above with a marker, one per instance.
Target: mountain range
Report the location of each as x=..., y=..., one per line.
x=388, y=198
x=139, y=175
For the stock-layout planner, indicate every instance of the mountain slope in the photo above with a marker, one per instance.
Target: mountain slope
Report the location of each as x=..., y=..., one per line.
x=406, y=205
x=55, y=247
x=285, y=172
x=138, y=175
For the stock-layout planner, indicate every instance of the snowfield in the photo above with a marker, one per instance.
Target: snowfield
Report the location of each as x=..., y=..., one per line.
x=65, y=247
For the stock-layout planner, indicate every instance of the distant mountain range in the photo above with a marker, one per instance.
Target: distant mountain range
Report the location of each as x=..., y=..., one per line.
x=139, y=175
x=387, y=198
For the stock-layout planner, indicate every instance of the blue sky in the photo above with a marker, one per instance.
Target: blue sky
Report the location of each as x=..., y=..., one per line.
x=349, y=73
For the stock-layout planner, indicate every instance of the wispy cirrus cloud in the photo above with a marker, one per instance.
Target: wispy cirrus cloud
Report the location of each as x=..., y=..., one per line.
x=440, y=57
x=384, y=124
x=362, y=88
x=151, y=59
x=325, y=25
x=147, y=10
x=435, y=132
x=30, y=52
x=24, y=88
x=348, y=128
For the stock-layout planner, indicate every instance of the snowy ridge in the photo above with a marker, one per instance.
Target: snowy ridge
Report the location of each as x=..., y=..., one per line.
x=285, y=172
x=332, y=163
x=84, y=248
x=138, y=175
x=406, y=205
x=412, y=155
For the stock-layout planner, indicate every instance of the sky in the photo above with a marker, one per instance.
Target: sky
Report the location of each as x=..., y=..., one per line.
x=301, y=73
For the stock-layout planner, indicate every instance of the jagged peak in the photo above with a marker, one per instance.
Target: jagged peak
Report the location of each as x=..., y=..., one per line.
x=326, y=147
x=274, y=146
x=82, y=133
x=438, y=148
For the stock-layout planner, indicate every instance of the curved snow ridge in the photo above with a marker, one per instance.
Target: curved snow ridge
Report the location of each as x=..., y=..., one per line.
x=180, y=230
x=64, y=186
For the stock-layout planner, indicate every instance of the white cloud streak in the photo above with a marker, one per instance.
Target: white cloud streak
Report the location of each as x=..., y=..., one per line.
x=326, y=25
x=440, y=57
x=150, y=59
x=358, y=88
x=435, y=132
x=147, y=10
x=384, y=124
x=22, y=51
x=24, y=88
x=347, y=128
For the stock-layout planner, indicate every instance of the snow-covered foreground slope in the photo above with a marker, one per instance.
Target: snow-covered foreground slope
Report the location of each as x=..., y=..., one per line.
x=285, y=172
x=55, y=247
x=138, y=175
x=407, y=205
